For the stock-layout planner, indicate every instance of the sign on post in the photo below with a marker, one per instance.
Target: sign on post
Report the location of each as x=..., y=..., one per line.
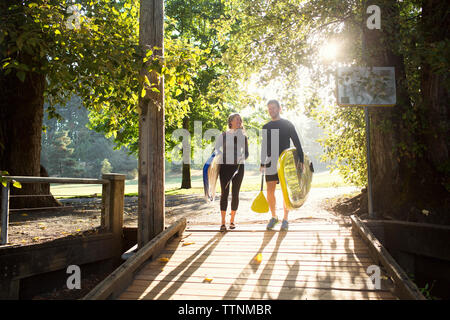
x=358, y=86
x=366, y=87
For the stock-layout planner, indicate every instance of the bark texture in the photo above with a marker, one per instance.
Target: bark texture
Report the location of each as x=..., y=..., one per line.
x=22, y=106
x=405, y=182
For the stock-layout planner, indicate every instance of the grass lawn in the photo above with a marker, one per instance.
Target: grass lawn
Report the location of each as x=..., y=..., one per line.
x=252, y=182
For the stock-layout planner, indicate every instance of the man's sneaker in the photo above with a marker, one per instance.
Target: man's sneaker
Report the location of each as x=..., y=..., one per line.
x=272, y=223
x=284, y=225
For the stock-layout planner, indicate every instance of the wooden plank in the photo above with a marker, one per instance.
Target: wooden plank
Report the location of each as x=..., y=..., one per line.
x=256, y=244
x=122, y=276
x=404, y=287
x=279, y=263
x=260, y=227
x=266, y=270
x=293, y=234
x=259, y=284
x=277, y=280
x=228, y=254
x=245, y=257
x=418, y=238
x=113, y=203
x=236, y=295
x=5, y=194
x=151, y=127
x=25, y=261
x=256, y=247
x=270, y=235
x=225, y=291
x=294, y=265
x=236, y=236
x=176, y=258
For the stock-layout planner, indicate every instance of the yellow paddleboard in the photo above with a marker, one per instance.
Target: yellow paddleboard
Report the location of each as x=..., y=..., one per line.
x=295, y=184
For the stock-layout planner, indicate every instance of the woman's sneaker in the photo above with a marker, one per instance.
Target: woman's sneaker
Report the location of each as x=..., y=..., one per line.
x=284, y=225
x=272, y=223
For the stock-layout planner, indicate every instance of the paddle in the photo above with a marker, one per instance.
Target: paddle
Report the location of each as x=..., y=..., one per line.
x=260, y=204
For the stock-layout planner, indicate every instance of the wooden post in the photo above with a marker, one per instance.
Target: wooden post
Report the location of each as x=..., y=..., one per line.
x=151, y=128
x=5, y=214
x=113, y=203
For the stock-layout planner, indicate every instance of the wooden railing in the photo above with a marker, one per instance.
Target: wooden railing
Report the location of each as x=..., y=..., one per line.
x=113, y=188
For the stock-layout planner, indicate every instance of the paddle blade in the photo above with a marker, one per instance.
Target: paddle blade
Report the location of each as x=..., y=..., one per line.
x=260, y=204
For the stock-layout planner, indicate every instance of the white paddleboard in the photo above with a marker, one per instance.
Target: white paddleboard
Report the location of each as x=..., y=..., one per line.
x=210, y=175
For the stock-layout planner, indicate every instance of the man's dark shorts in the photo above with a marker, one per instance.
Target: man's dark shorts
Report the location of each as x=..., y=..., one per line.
x=272, y=177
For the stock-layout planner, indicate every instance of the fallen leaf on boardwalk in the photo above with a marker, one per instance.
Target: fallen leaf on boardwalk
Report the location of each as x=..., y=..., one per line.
x=163, y=259
x=258, y=258
x=188, y=243
x=43, y=228
x=208, y=280
x=24, y=215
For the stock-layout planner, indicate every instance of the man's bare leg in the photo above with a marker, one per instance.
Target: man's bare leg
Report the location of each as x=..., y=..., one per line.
x=286, y=211
x=271, y=186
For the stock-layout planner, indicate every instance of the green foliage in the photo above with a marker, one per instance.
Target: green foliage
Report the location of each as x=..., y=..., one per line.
x=344, y=142
x=214, y=94
x=89, y=147
x=99, y=61
x=279, y=39
x=62, y=162
x=106, y=166
x=4, y=180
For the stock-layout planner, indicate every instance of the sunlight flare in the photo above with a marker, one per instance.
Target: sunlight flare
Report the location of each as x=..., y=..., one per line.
x=329, y=51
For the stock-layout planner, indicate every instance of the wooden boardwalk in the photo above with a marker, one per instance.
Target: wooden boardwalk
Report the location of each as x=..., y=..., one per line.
x=310, y=261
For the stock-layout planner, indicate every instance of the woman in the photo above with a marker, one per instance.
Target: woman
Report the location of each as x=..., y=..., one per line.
x=234, y=145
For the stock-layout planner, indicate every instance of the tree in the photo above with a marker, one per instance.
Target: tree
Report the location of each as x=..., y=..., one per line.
x=106, y=166
x=409, y=150
x=88, y=146
x=43, y=58
x=214, y=93
x=62, y=162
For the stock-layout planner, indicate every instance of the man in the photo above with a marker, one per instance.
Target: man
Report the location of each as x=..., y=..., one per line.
x=279, y=132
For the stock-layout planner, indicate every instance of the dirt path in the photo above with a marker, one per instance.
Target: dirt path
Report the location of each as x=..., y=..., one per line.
x=314, y=209
x=82, y=215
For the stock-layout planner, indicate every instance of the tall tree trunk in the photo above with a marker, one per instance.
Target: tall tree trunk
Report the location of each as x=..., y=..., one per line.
x=21, y=115
x=435, y=87
x=186, y=174
x=22, y=109
x=403, y=181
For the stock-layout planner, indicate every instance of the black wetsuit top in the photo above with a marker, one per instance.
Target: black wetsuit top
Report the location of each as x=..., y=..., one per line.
x=286, y=133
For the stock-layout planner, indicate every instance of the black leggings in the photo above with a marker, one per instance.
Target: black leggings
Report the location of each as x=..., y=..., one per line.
x=225, y=174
